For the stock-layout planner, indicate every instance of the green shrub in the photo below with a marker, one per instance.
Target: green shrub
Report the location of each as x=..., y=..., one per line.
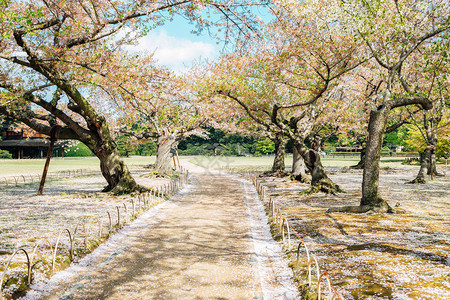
x=5, y=154
x=79, y=150
x=129, y=146
x=195, y=150
x=328, y=147
x=264, y=146
x=385, y=150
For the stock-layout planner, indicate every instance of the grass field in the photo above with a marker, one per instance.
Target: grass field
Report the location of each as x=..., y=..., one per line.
x=263, y=163
x=35, y=166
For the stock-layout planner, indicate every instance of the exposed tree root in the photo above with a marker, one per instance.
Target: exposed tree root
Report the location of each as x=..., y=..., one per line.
x=122, y=189
x=417, y=180
x=278, y=173
x=383, y=208
x=324, y=185
x=301, y=178
x=358, y=166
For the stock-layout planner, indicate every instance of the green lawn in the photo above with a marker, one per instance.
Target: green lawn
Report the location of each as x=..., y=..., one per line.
x=264, y=162
x=35, y=166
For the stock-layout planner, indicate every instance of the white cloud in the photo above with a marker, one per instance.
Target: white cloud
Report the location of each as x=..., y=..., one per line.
x=176, y=53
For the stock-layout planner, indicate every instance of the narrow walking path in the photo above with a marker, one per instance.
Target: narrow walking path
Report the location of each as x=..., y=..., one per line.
x=208, y=242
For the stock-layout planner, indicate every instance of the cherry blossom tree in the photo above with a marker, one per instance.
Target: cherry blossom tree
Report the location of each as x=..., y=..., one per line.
x=363, y=89
x=65, y=48
x=161, y=106
x=286, y=82
x=430, y=76
x=308, y=68
x=239, y=100
x=392, y=31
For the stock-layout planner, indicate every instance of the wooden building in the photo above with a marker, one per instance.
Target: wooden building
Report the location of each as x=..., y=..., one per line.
x=23, y=144
x=356, y=148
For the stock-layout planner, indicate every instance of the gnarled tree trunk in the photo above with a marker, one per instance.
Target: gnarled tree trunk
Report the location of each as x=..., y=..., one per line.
x=371, y=198
x=428, y=156
x=432, y=170
x=362, y=158
x=316, y=142
x=116, y=172
x=424, y=166
x=278, y=165
x=432, y=164
x=298, y=165
x=319, y=179
x=163, y=163
x=112, y=166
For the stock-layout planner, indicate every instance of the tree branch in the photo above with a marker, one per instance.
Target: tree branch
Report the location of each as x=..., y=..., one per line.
x=141, y=135
x=404, y=101
x=16, y=60
x=422, y=39
x=311, y=101
x=246, y=108
x=82, y=132
x=64, y=133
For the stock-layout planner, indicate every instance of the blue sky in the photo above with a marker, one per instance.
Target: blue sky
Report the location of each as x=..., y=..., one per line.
x=176, y=47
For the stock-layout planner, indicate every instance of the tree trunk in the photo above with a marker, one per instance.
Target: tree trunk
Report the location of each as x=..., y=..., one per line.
x=319, y=179
x=116, y=173
x=163, y=163
x=311, y=159
x=424, y=166
x=362, y=157
x=112, y=166
x=428, y=156
x=371, y=199
x=298, y=165
x=432, y=162
x=280, y=151
x=317, y=143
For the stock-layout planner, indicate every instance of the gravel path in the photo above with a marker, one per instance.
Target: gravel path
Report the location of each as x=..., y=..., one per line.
x=211, y=241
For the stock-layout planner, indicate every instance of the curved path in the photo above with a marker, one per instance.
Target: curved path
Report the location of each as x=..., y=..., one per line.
x=211, y=241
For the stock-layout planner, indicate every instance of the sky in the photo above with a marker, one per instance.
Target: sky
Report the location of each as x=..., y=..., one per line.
x=176, y=47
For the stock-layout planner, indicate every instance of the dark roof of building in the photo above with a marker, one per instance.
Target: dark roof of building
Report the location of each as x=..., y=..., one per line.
x=25, y=143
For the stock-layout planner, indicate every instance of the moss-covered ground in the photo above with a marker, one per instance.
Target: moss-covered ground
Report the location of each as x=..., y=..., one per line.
x=375, y=256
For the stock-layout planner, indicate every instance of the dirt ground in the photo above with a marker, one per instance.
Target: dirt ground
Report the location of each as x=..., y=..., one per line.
x=376, y=256
x=211, y=241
